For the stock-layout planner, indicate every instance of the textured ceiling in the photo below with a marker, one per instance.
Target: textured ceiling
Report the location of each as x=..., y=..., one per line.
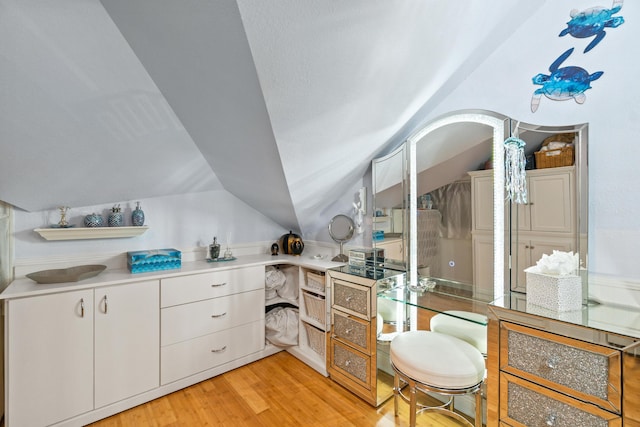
x=283, y=104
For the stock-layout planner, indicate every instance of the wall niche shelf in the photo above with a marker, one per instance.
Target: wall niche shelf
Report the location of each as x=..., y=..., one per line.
x=82, y=233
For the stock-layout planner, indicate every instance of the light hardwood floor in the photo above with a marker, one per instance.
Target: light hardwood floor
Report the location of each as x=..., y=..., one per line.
x=276, y=391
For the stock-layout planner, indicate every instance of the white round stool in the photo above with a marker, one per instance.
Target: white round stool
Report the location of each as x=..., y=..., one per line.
x=472, y=330
x=431, y=361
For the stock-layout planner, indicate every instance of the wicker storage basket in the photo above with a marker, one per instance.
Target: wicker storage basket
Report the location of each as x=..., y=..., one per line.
x=315, y=280
x=314, y=307
x=315, y=338
x=558, y=157
x=554, y=158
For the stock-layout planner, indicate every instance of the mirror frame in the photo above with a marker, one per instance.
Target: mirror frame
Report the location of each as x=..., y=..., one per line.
x=501, y=127
x=401, y=152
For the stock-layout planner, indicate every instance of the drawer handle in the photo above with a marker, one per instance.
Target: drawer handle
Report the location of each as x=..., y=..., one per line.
x=347, y=363
x=347, y=331
x=552, y=363
x=216, y=285
x=348, y=298
x=551, y=419
x=219, y=350
x=218, y=315
x=81, y=307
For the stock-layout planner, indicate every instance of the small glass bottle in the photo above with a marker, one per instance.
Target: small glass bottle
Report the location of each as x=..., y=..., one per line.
x=214, y=249
x=137, y=216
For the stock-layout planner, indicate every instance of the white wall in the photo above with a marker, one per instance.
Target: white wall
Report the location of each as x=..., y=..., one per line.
x=183, y=221
x=612, y=109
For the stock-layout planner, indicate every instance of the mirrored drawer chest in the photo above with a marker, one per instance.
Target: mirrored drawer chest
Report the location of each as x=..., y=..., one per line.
x=353, y=358
x=547, y=372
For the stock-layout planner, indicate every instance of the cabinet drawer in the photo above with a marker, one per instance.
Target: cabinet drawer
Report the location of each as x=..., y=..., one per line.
x=351, y=330
x=197, y=287
x=523, y=403
x=587, y=371
x=352, y=363
x=351, y=298
x=186, y=321
x=199, y=354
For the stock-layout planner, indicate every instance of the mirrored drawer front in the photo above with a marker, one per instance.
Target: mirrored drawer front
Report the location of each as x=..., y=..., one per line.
x=523, y=403
x=586, y=371
x=352, y=330
x=352, y=298
x=352, y=363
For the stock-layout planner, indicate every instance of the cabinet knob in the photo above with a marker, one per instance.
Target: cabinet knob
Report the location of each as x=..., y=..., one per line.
x=218, y=315
x=347, y=363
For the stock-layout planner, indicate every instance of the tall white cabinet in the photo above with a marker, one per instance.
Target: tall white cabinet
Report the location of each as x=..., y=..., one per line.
x=54, y=340
x=545, y=223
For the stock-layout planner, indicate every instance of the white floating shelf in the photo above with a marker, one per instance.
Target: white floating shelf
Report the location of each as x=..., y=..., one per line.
x=81, y=233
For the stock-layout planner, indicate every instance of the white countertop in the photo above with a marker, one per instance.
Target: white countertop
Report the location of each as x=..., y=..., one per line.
x=25, y=287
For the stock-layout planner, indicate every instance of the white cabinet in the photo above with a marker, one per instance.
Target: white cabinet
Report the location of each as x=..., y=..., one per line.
x=210, y=319
x=55, y=341
x=393, y=248
x=551, y=202
x=544, y=224
x=127, y=330
x=49, y=358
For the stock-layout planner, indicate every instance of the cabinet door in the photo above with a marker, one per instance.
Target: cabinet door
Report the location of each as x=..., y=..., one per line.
x=551, y=203
x=127, y=341
x=49, y=358
x=392, y=249
x=483, y=266
x=482, y=203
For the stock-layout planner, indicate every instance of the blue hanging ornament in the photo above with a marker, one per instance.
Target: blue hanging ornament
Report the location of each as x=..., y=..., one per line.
x=515, y=174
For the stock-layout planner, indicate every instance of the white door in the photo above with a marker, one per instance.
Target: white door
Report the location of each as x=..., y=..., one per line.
x=127, y=343
x=49, y=358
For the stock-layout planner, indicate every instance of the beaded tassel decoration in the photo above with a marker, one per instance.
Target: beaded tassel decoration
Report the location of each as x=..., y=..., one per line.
x=515, y=175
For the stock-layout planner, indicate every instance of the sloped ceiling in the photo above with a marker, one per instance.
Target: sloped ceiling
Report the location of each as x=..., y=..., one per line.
x=282, y=103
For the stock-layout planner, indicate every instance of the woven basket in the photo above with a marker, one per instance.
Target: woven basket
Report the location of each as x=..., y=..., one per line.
x=315, y=338
x=315, y=281
x=554, y=158
x=314, y=307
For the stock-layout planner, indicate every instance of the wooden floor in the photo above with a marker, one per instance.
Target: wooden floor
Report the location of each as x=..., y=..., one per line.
x=276, y=391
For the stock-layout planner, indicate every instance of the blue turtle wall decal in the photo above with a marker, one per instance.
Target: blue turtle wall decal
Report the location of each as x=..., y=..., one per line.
x=563, y=83
x=592, y=22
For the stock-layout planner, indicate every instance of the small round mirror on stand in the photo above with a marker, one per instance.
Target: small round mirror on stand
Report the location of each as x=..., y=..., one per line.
x=341, y=229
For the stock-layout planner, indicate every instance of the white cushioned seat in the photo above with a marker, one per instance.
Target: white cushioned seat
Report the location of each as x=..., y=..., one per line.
x=437, y=359
x=452, y=323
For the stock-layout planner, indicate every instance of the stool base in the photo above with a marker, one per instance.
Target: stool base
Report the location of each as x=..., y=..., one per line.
x=446, y=408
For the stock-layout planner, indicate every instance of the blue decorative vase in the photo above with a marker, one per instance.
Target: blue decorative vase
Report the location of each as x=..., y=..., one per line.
x=137, y=216
x=115, y=218
x=93, y=220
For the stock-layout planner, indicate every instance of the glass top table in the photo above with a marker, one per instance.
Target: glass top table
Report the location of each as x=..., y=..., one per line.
x=446, y=296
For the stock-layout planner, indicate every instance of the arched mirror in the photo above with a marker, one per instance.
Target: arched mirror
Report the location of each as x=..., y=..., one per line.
x=443, y=241
x=389, y=202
